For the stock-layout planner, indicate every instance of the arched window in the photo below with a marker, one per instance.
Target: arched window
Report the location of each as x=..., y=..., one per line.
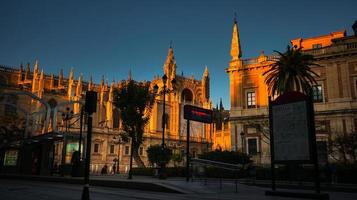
x=167, y=121
x=116, y=118
x=186, y=96
x=53, y=103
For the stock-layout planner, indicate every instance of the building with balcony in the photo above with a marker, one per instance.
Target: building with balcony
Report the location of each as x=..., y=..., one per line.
x=335, y=94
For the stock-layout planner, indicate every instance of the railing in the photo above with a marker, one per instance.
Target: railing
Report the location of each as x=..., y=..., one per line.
x=332, y=49
x=250, y=61
x=199, y=167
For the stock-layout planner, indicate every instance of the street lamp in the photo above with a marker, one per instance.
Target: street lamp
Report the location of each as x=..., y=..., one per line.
x=66, y=117
x=119, y=142
x=163, y=92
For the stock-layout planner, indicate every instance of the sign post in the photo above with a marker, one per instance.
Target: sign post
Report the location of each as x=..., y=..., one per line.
x=195, y=114
x=292, y=137
x=90, y=108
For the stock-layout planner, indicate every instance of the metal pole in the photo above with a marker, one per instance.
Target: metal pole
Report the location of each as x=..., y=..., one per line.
x=272, y=157
x=80, y=135
x=163, y=118
x=85, y=193
x=117, y=170
x=314, y=148
x=64, y=144
x=188, y=151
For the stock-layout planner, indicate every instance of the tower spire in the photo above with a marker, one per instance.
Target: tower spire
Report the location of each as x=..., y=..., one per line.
x=130, y=77
x=205, y=73
x=221, y=104
x=90, y=83
x=170, y=63
x=236, y=52
x=60, y=79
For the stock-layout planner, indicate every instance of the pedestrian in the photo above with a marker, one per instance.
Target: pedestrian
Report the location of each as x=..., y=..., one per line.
x=75, y=163
x=104, y=169
x=114, y=168
x=333, y=173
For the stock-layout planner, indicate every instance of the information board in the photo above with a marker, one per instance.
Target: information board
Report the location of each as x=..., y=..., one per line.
x=291, y=132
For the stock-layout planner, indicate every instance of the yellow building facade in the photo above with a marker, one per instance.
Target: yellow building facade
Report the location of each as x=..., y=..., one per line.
x=335, y=94
x=59, y=93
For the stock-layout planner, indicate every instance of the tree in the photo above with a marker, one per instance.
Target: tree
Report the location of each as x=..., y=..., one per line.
x=158, y=155
x=291, y=72
x=262, y=127
x=176, y=158
x=343, y=147
x=134, y=101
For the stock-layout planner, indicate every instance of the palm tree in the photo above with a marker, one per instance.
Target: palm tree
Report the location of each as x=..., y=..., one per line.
x=291, y=72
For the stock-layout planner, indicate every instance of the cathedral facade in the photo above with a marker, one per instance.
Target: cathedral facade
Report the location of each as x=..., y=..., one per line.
x=48, y=110
x=335, y=94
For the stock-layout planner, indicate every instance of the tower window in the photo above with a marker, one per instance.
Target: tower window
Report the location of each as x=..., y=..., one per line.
x=251, y=100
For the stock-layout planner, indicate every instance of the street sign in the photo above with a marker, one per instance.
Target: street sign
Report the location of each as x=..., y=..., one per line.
x=198, y=114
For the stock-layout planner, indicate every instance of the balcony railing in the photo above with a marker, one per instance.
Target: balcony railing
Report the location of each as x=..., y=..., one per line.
x=333, y=49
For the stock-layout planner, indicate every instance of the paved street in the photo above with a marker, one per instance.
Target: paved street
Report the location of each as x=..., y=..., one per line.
x=23, y=190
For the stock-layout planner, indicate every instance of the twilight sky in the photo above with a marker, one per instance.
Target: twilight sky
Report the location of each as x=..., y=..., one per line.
x=109, y=37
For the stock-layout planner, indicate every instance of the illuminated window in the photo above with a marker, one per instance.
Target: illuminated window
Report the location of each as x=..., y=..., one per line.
x=316, y=46
x=111, y=149
x=317, y=93
x=251, y=99
x=252, y=146
x=96, y=148
x=126, y=150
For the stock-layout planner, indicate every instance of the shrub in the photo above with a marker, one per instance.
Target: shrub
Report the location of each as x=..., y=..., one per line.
x=158, y=155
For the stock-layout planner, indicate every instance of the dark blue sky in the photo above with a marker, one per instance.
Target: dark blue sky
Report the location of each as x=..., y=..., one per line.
x=110, y=37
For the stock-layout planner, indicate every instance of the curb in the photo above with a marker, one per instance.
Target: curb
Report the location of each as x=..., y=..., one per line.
x=136, y=185
x=326, y=188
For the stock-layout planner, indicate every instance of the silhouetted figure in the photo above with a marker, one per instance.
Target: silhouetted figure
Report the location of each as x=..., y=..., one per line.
x=114, y=168
x=104, y=169
x=75, y=163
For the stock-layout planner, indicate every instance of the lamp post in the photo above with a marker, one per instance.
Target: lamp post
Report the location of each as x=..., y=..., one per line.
x=163, y=92
x=119, y=142
x=66, y=116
